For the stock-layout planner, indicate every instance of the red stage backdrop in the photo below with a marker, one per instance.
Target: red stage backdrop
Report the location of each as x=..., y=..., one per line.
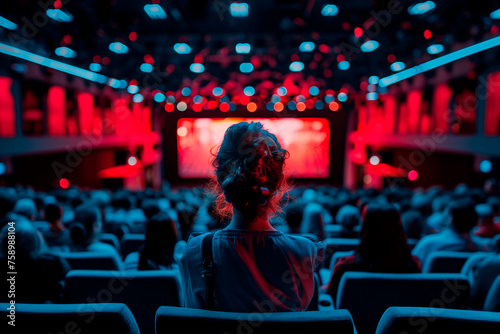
x=307, y=140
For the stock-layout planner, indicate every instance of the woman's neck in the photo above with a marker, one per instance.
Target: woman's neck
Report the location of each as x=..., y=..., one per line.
x=242, y=222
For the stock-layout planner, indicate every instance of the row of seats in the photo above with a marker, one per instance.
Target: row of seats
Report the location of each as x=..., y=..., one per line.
x=365, y=295
x=117, y=318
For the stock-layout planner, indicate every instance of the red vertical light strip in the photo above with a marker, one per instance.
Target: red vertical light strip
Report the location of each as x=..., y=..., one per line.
x=492, y=112
x=146, y=118
x=85, y=112
x=441, y=106
x=361, y=118
x=56, y=111
x=7, y=109
x=414, y=106
x=389, y=113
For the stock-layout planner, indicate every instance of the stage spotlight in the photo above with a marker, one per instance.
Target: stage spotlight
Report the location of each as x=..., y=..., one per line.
x=397, y=66
x=146, y=68
x=138, y=98
x=239, y=9
x=246, y=67
x=485, y=166
x=197, y=68
x=118, y=47
x=182, y=48
x=249, y=91
x=421, y=8
x=155, y=12
x=306, y=47
x=435, y=48
x=133, y=89
x=369, y=46
x=329, y=10
x=343, y=65
x=59, y=15
x=95, y=67
x=296, y=66
x=243, y=48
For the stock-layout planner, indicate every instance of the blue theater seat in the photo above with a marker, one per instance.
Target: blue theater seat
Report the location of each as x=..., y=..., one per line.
x=333, y=245
x=92, y=260
x=492, y=301
x=142, y=291
x=186, y=320
x=110, y=239
x=445, y=261
x=70, y=318
x=367, y=295
x=131, y=242
x=424, y=320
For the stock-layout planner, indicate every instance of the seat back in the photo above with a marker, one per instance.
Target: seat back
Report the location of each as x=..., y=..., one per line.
x=111, y=239
x=142, y=291
x=445, y=262
x=368, y=295
x=199, y=321
x=332, y=245
x=91, y=260
x=413, y=320
x=131, y=262
x=492, y=301
x=70, y=318
x=131, y=242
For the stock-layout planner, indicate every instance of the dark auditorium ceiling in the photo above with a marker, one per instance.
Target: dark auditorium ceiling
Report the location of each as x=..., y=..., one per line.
x=273, y=28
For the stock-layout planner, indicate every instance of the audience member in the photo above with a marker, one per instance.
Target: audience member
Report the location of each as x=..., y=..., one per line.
x=250, y=182
x=481, y=272
x=487, y=228
x=158, y=249
x=457, y=236
x=312, y=221
x=85, y=230
x=40, y=275
x=25, y=207
x=57, y=237
x=349, y=218
x=413, y=224
x=382, y=247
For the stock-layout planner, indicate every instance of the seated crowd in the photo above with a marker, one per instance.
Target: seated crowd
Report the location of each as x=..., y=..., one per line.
x=269, y=241
x=463, y=219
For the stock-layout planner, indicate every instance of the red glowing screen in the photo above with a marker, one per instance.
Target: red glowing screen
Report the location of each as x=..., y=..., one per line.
x=307, y=140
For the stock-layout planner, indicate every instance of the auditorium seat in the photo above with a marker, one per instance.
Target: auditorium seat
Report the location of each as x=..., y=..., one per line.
x=425, y=320
x=131, y=242
x=110, y=239
x=91, y=260
x=86, y=318
x=445, y=261
x=131, y=261
x=368, y=295
x=142, y=291
x=326, y=273
x=185, y=320
x=492, y=301
x=333, y=245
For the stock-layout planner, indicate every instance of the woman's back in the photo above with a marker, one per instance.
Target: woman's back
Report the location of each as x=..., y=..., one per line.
x=264, y=271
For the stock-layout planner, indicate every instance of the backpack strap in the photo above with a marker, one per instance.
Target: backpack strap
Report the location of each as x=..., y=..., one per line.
x=207, y=270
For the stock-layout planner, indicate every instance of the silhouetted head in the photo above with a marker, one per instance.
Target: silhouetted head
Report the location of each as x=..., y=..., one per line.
x=413, y=224
x=25, y=207
x=249, y=171
x=159, y=244
x=463, y=216
x=52, y=212
x=383, y=245
x=28, y=241
x=348, y=216
x=86, y=226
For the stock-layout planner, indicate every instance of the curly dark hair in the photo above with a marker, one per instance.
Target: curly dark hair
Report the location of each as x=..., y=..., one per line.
x=249, y=171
